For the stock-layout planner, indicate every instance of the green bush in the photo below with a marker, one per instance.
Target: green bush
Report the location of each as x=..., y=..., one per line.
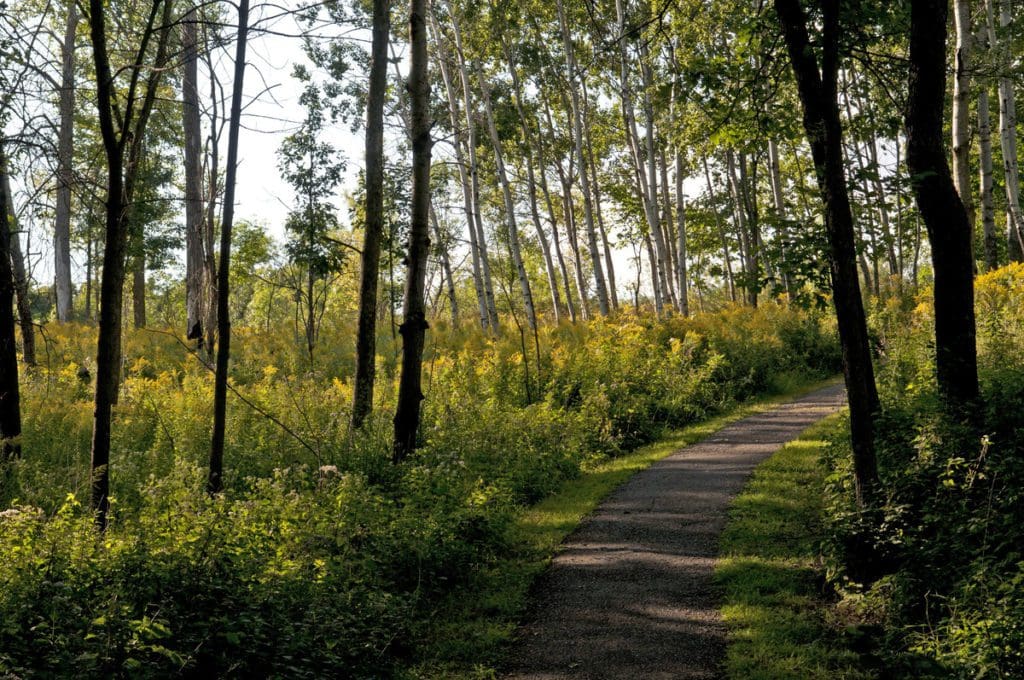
x=321, y=558
x=940, y=561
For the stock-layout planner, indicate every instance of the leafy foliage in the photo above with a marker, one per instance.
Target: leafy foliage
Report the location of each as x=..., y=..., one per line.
x=321, y=555
x=934, y=577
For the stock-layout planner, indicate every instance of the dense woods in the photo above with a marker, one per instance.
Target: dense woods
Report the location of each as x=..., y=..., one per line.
x=296, y=445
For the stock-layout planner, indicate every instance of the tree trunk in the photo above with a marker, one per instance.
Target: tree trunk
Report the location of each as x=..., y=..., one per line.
x=139, y=290
x=670, y=256
x=549, y=268
x=467, y=189
x=577, y=125
x=988, y=213
x=212, y=194
x=602, y=232
x=10, y=400
x=510, y=207
x=820, y=104
x=108, y=349
x=17, y=262
x=215, y=481
x=446, y=268
x=779, y=203
x=726, y=257
x=366, y=333
x=633, y=137
x=660, y=250
x=740, y=216
x=961, y=108
x=555, y=240
x=195, y=237
x=941, y=208
x=569, y=208
x=414, y=323
x=883, y=210
x=1008, y=135
x=748, y=203
x=652, y=258
x=474, y=175
x=88, y=271
x=681, y=273
x=65, y=158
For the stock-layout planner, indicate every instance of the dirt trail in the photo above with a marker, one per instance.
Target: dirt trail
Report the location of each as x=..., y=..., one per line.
x=630, y=595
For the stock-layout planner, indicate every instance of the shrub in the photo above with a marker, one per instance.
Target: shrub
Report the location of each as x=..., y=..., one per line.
x=321, y=555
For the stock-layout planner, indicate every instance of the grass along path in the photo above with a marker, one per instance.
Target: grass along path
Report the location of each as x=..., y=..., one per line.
x=468, y=638
x=769, y=570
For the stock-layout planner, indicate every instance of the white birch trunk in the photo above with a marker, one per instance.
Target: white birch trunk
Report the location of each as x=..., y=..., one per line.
x=65, y=158
x=1008, y=135
x=577, y=124
x=510, y=206
x=961, y=106
x=474, y=177
x=464, y=181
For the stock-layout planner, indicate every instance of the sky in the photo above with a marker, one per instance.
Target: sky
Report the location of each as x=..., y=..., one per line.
x=272, y=111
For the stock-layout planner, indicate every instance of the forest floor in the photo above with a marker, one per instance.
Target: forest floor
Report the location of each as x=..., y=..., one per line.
x=631, y=593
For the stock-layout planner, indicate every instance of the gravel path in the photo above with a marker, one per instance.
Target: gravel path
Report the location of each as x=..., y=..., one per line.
x=630, y=594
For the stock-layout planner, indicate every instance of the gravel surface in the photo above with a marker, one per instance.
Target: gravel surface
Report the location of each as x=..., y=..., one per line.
x=630, y=594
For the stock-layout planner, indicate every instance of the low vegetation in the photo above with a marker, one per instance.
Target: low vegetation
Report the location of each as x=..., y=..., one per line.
x=931, y=582
x=320, y=554
x=770, y=571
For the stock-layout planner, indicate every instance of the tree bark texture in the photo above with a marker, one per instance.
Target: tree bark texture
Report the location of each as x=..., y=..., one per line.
x=10, y=402
x=510, y=206
x=122, y=149
x=369, y=273
x=215, y=481
x=820, y=104
x=961, y=107
x=414, y=322
x=65, y=157
x=941, y=208
x=577, y=126
x=531, y=181
x=196, y=286
x=459, y=142
x=17, y=262
x=985, y=169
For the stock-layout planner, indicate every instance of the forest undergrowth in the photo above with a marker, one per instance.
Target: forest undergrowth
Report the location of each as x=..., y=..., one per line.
x=931, y=583
x=321, y=557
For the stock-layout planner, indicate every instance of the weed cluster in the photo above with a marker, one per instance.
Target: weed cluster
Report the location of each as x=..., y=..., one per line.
x=934, y=579
x=321, y=558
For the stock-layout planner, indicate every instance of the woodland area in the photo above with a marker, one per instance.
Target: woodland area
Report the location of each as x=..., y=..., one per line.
x=237, y=447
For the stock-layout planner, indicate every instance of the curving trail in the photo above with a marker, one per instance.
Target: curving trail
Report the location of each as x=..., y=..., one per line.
x=630, y=595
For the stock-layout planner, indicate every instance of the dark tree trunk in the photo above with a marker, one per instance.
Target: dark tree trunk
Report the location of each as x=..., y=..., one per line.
x=414, y=323
x=108, y=346
x=820, y=102
x=215, y=482
x=120, y=182
x=17, y=262
x=196, y=287
x=945, y=218
x=366, y=341
x=10, y=403
x=366, y=335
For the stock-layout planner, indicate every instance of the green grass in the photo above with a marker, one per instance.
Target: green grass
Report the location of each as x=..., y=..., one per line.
x=771, y=575
x=467, y=637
